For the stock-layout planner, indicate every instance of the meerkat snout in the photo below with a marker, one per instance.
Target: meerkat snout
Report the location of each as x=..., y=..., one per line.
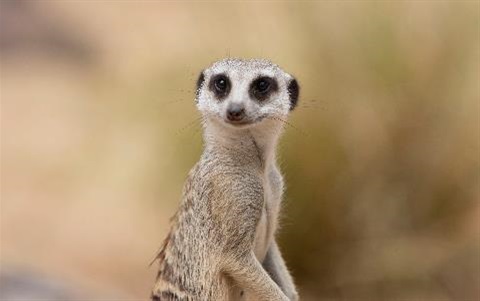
x=235, y=112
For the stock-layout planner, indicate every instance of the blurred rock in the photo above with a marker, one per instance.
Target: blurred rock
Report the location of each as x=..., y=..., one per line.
x=27, y=28
x=18, y=284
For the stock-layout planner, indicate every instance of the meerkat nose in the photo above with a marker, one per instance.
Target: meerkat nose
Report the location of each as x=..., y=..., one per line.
x=235, y=112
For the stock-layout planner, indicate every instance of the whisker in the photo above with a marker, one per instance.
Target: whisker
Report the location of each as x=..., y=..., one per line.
x=180, y=90
x=188, y=125
x=313, y=104
x=197, y=131
x=316, y=108
x=199, y=127
x=289, y=124
x=309, y=106
x=175, y=101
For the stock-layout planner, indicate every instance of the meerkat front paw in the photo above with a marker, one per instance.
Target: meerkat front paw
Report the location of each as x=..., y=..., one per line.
x=293, y=296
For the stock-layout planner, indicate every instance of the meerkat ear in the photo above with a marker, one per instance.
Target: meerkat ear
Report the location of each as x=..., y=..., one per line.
x=293, y=91
x=200, y=80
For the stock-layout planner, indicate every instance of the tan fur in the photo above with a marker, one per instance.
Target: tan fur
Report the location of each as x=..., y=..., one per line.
x=221, y=245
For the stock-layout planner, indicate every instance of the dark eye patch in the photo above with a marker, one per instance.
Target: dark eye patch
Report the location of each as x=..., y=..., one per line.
x=220, y=85
x=262, y=87
x=293, y=92
x=200, y=80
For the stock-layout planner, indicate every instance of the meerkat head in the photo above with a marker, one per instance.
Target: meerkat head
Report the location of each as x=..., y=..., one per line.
x=242, y=93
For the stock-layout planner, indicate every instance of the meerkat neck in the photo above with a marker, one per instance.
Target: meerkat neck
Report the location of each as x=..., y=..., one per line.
x=259, y=141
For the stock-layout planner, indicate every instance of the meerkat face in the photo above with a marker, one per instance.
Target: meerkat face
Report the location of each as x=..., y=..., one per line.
x=242, y=93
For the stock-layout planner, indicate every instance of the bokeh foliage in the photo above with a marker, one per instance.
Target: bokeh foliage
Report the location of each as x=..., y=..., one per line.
x=381, y=159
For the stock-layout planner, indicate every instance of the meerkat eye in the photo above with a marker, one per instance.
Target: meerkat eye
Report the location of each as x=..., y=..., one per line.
x=220, y=85
x=262, y=87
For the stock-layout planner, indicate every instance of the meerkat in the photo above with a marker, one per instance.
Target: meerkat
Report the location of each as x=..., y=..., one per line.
x=222, y=242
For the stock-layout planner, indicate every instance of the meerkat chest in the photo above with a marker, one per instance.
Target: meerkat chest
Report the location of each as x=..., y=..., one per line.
x=273, y=187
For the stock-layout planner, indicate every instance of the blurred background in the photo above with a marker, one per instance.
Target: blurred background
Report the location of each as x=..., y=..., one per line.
x=382, y=161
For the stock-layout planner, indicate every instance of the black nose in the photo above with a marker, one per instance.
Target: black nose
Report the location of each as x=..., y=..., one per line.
x=235, y=112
